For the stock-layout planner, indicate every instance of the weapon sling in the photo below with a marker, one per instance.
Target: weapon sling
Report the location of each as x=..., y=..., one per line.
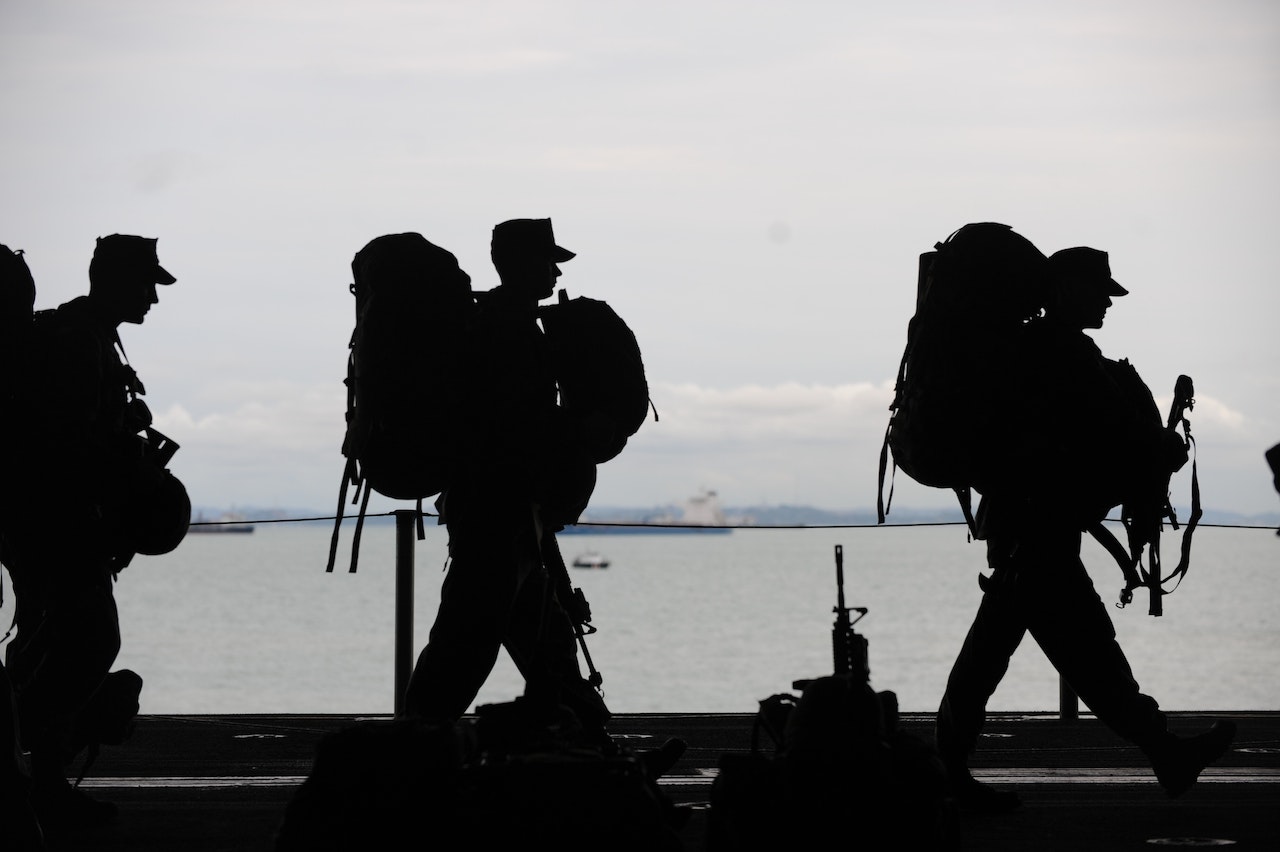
x=1130, y=560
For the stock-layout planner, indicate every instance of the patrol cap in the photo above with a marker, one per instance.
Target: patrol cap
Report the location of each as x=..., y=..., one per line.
x=529, y=238
x=125, y=253
x=1086, y=264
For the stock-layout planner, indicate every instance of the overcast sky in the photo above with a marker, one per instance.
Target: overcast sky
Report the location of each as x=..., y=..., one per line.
x=749, y=184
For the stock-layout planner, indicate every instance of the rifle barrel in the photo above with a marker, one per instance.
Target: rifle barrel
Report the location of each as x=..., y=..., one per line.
x=840, y=577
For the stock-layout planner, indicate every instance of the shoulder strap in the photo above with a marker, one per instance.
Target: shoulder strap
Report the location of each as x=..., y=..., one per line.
x=1127, y=562
x=883, y=503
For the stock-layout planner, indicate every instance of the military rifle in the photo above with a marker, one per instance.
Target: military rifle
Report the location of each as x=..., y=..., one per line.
x=573, y=600
x=848, y=647
x=1145, y=533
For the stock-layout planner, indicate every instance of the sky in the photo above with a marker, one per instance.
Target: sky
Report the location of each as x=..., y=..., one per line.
x=748, y=184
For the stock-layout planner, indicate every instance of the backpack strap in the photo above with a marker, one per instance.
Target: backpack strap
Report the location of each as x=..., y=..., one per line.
x=1130, y=559
x=1184, y=556
x=355, y=539
x=1197, y=512
x=348, y=476
x=883, y=503
x=351, y=476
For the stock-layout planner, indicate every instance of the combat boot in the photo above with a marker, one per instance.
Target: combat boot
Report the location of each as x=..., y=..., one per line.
x=1178, y=761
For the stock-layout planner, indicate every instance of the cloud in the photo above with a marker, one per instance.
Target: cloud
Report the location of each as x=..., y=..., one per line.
x=758, y=414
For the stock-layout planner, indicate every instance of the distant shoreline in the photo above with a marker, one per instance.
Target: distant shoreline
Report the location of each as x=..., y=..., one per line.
x=761, y=516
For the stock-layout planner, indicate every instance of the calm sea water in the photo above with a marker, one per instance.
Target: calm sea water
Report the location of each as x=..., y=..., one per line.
x=685, y=623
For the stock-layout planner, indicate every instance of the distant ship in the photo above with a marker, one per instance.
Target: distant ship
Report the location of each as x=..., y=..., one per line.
x=225, y=524
x=590, y=559
x=701, y=515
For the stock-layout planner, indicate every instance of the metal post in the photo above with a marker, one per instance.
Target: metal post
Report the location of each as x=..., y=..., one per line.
x=406, y=522
x=1068, y=703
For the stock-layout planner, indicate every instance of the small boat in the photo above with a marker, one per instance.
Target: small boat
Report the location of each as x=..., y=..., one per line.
x=590, y=559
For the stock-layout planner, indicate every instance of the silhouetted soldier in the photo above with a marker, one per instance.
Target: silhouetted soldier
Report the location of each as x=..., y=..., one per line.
x=520, y=479
x=70, y=540
x=1096, y=439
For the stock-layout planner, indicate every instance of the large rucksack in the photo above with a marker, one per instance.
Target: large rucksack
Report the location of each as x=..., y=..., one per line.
x=17, y=294
x=413, y=305
x=17, y=300
x=950, y=424
x=17, y=303
x=599, y=372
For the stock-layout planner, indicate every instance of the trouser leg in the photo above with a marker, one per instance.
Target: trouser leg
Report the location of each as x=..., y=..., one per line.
x=1078, y=636
x=69, y=645
x=476, y=600
x=993, y=637
x=542, y=643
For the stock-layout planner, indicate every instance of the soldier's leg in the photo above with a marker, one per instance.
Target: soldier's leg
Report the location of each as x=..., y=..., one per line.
x=996, y=632
x=1079, y=638
x=476, y=601
x=1077, y=635
x=543, y=645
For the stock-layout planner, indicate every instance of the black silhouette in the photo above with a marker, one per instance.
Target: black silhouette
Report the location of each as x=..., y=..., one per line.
x=949, y=425
x=507, y=428
x=95, y=492
x=521, y=475
x=1273, y=462
x=841, y=763
x=1093, y=439
x=413, y=306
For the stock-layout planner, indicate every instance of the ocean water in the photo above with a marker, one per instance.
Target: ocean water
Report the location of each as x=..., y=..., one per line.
x=685, y=623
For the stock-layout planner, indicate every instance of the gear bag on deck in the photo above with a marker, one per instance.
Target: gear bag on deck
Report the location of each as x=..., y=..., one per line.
x=413, y=305
x=950, y=424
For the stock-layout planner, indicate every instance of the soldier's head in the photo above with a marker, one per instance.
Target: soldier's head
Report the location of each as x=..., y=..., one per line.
x=1083, y=286
x=525, y=254
x=123, y=275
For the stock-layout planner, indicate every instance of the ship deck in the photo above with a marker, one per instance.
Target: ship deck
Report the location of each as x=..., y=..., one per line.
x=221, y=783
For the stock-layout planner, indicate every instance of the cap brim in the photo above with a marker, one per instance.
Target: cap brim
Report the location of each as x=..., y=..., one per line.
x=560, y=255
x=163, y=276
x=1114, y=289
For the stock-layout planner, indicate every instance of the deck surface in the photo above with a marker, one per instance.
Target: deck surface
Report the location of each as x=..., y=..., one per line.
x=221, y=783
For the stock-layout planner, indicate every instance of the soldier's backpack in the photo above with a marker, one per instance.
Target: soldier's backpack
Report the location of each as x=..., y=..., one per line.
x=950, y=424
x=599, y=372
x=17, y=299
x=413, y=305
x=17, y=295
